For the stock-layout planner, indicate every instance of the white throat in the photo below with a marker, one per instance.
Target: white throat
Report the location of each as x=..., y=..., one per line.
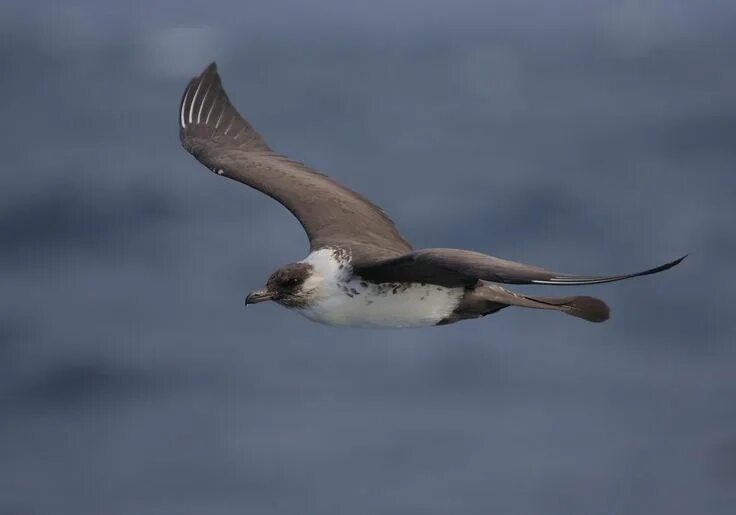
x=342, y=299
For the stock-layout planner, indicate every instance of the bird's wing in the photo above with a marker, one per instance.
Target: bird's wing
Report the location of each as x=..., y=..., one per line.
x=213, y=131
x=453, y=268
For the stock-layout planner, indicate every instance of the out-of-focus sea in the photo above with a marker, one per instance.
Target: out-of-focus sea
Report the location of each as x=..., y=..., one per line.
x=592, y=137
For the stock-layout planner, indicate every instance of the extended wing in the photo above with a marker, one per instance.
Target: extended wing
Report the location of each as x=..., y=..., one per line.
x=214, y=132
x=453, y=268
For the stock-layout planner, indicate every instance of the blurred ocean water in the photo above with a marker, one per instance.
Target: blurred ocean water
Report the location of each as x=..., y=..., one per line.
x=588, y=139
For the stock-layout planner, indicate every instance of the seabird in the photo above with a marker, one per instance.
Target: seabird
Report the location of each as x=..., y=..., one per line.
x=360, y=271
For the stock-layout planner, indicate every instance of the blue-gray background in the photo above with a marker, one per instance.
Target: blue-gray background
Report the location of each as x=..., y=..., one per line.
x=587, y=137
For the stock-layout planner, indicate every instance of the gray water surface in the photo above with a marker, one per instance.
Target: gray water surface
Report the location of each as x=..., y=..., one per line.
x=588, y=138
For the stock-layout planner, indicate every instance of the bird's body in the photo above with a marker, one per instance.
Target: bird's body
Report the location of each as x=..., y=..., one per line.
x=345, y=299
x=360, y=271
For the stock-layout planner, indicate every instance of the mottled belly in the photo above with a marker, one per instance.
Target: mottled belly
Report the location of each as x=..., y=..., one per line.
x=360, y=304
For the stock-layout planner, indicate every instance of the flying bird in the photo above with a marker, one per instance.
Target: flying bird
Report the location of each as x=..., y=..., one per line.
x=360, y=271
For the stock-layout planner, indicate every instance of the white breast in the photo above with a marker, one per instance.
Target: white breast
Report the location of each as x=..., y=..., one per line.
x=344, y=300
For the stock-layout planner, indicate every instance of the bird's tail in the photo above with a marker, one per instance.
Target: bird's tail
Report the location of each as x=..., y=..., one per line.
x=587, y=308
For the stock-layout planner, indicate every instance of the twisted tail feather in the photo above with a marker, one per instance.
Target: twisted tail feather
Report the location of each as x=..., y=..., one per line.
x=496, y=297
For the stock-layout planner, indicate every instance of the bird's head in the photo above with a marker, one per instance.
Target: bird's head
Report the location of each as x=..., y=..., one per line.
x=290, y=286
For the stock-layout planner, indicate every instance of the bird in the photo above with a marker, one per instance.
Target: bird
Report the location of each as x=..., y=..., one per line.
x=360, y=271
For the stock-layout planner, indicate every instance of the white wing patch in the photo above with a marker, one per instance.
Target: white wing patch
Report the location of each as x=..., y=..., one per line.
x=183, y=103
x=219, y=118
x=206, y=120
x=196, y=107
x=204, y=100
x=229, y=125
x=194, y=101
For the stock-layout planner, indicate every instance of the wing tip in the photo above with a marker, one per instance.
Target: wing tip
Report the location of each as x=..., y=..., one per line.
x=665, y=266
x=205, y=112
x=572, y=280
x=211, y=69
x=677, y=261
x=193, y=99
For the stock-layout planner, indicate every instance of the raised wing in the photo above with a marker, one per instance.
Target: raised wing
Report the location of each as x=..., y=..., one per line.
x=453, y=268
x=213, y=131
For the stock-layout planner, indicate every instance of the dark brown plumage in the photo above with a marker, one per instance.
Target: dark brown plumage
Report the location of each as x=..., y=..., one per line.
x=331, y=214
x=455, y=267
x=356, y=229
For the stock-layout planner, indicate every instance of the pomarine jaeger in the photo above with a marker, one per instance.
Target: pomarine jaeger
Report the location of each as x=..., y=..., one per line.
x=360, y=271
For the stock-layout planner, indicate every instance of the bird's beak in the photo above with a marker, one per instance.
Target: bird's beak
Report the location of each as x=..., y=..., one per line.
x=259, y=296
